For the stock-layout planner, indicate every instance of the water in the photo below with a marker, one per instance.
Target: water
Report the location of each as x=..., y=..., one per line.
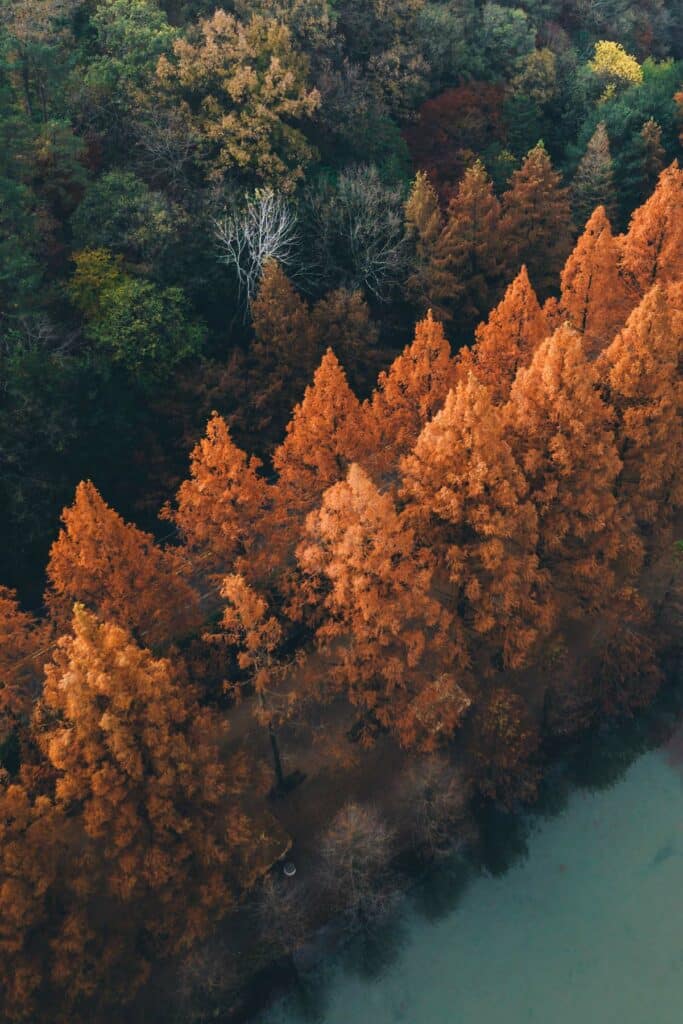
x=580, y=921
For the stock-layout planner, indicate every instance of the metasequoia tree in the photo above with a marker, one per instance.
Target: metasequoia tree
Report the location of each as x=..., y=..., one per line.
x=641, y=372
x=284, y=352
x=248, y=625
x=119, y=572
x=468, y=500
x=423, y=224
x=136, y=756
x=508, y=339
x=219, y=510
x=562, y=434
x=537, y=220
x=241, y=88
x=652, y=249
x=326, y=434
x=468, y=262
x=21, y=640
x=594, y=179
x=409, y=393
x=595, y=298
x=342, y=322
x=385, y=636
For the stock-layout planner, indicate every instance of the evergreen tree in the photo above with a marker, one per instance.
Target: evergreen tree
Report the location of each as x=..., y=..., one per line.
x=594, y=179
x=537, y=221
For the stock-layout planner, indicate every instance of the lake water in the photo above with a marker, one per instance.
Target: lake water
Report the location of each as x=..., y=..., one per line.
x=577, y=917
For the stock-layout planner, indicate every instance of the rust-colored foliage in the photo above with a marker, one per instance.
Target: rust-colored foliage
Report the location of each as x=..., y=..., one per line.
x=641, y=372
x=467, y=270
x=506, y=749
x=409, y=393
x=386, y=636
x=21, y=640
x=423, y=222
x=652, y=248
x=507, y=341
x=220, y=508
x=537, y=223
x=326, y=434
x=119, y=572
x=284, y=352
x=342, y=322
x=468, y=500
x=595, y=298
x=562, y=434
x=626, y=676
x=452, y=126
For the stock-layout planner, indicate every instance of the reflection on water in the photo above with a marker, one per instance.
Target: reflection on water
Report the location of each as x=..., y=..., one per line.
x=574, y=914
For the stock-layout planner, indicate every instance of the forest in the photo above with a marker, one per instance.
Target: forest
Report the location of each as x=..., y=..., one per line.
x=340, y=436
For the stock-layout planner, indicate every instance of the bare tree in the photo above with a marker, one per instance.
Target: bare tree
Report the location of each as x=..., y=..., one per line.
x=355, y=851
x=282, y=912
x=357, y=237
x=264, y=228
x=438, y=796
x=166, y=144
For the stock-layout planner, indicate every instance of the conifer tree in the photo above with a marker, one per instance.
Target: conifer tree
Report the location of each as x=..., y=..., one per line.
x=537, y=221
x=467, y=269
x=562, y=435
x=341, y=321
x=595, y=298
x=641, y=371
x=468, y=500
x=119, y=572
x=594, y=179
x=507, y=341
x=327, y=432
x=386, y=636
x=652, y=248
x=21, y=641
x=409, y=393
x=423, y=222
x=221, y=507
x=284, y=351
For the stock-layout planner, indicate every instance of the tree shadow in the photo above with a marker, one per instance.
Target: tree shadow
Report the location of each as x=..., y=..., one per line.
x=438, y=894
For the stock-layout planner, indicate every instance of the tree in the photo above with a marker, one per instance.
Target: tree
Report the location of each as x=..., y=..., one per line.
x=652, y=249
x=563, y=436
x=242, y=88
x=163, y=837
x=537, y=221
x=247, y=624
x=507, y=341
x=594, y=179
x=423, y=225
x=325, y=435
x=118, y=572
x=506, y=750
x=641, y=372
x=614, y=67
x=595, y=298
x=468, y=264
x=468, y=501
x=409, y=393
x=506, y=35
x=284, y=352
x=342, y=320
x=386, y=638
x=220, y=509
x=355, y=852
x=21, y=640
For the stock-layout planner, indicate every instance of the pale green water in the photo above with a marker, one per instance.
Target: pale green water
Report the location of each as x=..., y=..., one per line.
x=586, y=928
